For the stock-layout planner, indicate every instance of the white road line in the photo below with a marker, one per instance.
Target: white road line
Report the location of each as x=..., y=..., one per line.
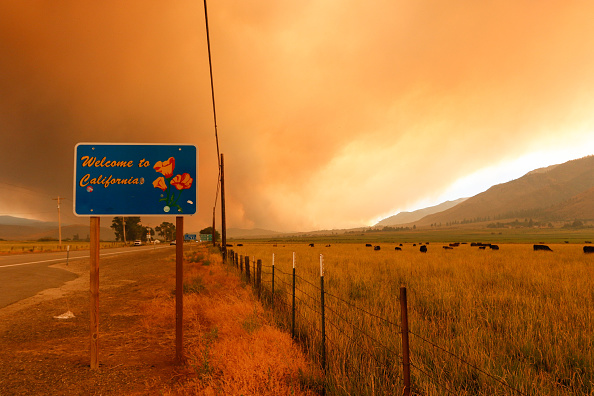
x=77, y=258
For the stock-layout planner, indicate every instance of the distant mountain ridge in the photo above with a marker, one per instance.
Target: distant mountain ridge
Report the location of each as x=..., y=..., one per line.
x=16, y=228
x=558, y=192
x=410, y=217
x=251, y=233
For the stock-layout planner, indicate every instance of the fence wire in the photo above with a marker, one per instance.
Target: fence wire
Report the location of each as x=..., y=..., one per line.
x=300, y=302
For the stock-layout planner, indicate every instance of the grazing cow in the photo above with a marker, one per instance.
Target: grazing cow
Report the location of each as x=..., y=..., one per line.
x=588, y=249
x=368, y=245
x=376, y=248
x=494, y=247
x=414, y=244
x=400, y=244
x=542, y=247
x=482, y=247
x=397, y=248
x=423, y=249
x=588, y=242
x=311, y=245
x=448, y=247
x=566, y=241
x=241, y=244
x=327, y=245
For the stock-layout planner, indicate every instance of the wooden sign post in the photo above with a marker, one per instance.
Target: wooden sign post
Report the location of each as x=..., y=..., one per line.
x=94, y=309
x=133, y=180
x=179, y=288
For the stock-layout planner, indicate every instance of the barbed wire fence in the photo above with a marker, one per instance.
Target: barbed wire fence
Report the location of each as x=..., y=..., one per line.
x=342, y=338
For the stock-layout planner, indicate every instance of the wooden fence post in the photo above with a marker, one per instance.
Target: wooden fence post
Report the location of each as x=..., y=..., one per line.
x=247, y=267
x=241, y=263
x=255, y=270
x=323, y=313
x=405, y=346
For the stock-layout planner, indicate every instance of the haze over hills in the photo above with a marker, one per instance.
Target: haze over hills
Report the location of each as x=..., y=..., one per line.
x=563, y=192
x=559, y=192
x=16, y=228
x=410, y=217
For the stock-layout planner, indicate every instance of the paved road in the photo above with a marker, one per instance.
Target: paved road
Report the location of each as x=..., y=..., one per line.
x=24, y=275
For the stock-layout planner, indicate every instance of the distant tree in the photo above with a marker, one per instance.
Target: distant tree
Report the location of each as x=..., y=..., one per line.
x=166, y=230
x=134, y=230
x=208, y=230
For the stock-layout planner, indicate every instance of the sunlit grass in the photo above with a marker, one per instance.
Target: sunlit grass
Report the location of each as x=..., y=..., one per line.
x=19, y=247
x=231, y=346
x=524, y=317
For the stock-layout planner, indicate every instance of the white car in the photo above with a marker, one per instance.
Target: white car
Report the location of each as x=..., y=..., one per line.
x=138, y=243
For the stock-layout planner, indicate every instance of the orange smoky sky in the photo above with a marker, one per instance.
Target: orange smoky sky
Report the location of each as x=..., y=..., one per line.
x=331, y=114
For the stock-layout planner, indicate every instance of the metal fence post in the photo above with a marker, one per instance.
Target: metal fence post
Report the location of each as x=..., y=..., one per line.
x=293, y=313
x=273, y=280
x=405, y=346
x=259, y=278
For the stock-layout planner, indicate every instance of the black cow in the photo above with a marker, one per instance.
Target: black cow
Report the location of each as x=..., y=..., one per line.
x=397, y=248
x=414, y=244
x=311, y=245
x=423, y=249
x=482, y=247
x=368, y=245
x=494, y=247
x=327, y=245
x=588, y=249
x=542, y=247
x=376, y=248
x=240, y=244
x=400, y=244
x=448, y=247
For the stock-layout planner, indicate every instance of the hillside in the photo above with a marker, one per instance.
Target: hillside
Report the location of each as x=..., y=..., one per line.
x=561, y=192
x=15, y=228
x=409, y=217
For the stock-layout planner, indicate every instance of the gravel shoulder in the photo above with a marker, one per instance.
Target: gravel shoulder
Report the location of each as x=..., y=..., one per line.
x=44, y=355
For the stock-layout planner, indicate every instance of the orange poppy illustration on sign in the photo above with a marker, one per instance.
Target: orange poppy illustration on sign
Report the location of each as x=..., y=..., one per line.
x=160, y=183
x=165, y=167
x=180, y=182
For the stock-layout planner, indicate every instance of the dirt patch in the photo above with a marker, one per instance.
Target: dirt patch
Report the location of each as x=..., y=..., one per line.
x=40, y=354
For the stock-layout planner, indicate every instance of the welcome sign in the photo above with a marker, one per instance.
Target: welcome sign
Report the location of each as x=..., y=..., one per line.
x=135, y=179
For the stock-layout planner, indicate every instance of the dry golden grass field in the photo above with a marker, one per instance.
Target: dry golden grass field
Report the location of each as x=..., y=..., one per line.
x=19, y=247
x=482, y=322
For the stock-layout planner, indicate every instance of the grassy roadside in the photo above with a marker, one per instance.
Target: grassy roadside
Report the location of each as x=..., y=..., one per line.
x=20, y=247
x=230, y=345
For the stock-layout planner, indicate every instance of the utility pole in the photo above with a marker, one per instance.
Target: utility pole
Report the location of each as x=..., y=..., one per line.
x=124, y=228
x=223, y=219
x=59, y=220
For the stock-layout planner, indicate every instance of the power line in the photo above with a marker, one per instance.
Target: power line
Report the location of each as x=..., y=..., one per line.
x=214, y=109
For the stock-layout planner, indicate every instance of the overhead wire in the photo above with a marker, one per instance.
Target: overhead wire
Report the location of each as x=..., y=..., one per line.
x=214, y=110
